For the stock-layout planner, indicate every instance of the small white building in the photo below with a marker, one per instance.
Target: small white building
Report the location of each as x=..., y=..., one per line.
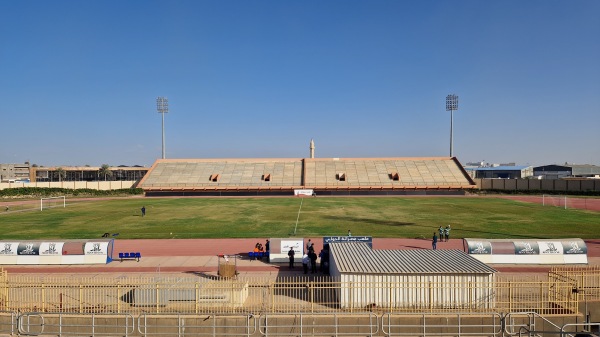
x=415, y=279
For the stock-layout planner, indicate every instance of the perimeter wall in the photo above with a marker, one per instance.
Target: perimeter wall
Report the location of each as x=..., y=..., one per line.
x=546, y=185
x=93, y=185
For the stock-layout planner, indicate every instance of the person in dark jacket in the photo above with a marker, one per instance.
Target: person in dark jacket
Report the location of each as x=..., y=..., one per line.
x=313, y=260
x=291, y=257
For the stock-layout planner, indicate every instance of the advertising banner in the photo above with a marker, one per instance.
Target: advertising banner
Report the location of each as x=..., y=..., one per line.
x=550, y=248
x=96, y=248
x=562, y=251
x=303, y=192
x=51, y=248
x=9, y=248
x=51, y=253
x=298, y=246
x=480, y=247
x=574, y=247
x=527, y=248
x=28, y=248
x=332, y=239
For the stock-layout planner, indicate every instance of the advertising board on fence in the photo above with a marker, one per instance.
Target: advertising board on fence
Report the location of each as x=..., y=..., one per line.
x=304, y=192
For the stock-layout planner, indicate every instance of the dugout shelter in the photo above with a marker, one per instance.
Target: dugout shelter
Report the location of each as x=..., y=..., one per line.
x=50, y=252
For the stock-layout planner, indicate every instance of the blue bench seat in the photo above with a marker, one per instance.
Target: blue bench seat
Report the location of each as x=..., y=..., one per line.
x=130, y=256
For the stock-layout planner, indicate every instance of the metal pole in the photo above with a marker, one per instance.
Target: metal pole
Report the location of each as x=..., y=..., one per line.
x=163, y=135
x=451, y=132
x=451, y=105
x=162, y=107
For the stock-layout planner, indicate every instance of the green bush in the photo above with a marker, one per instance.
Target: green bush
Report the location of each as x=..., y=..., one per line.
x=41, y=192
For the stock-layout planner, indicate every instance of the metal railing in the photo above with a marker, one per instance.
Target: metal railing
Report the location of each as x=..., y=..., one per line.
x=8, y=322
x=529, y=323
x=587, y=280
x=571, y=327
x=301, y=324
x=259, y=295
x=73, y=324
x=292, y=324
x=196, y=325
x=442, y=324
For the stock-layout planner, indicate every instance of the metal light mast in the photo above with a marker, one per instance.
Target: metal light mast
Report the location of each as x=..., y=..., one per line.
x=451, y=105
x=162, y=106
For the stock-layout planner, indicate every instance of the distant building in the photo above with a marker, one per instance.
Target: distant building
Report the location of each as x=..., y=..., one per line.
x=566, y=171
x=14, y=172
x=87, y=173
x=502, y=172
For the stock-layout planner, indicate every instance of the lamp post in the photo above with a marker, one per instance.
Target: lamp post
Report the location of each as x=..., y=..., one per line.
x=162, y=106
x=451, y=105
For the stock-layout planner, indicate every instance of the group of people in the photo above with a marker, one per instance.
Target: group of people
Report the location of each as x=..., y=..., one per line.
x=258, y=249
x=444, y=236
x=309, y=259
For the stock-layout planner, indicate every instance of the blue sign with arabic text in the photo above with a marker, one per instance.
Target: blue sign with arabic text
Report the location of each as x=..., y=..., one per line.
x=331, y=239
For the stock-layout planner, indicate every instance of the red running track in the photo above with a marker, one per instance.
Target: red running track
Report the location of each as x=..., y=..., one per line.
x=177, y=253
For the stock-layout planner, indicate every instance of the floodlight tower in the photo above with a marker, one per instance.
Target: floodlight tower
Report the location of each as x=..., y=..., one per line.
x=451, y=105
x=162, y=106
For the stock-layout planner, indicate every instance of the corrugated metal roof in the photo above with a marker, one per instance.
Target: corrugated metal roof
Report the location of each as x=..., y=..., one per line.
x=358, y=257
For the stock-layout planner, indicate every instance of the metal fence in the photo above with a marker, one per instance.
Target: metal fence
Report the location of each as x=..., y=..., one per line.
x=587, y=280
x=196, y=295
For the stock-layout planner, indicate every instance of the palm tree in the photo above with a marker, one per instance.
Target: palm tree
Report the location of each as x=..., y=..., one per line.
x=61, y=173
x=105, y=171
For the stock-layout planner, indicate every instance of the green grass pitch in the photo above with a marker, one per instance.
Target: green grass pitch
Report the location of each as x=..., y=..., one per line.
x=380, y=217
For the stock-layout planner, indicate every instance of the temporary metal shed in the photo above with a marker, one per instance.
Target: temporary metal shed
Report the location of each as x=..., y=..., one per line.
x=416, y=279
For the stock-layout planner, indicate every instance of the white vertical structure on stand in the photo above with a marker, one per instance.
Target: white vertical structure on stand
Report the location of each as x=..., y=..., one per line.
x=451, y=105
x=162, y=106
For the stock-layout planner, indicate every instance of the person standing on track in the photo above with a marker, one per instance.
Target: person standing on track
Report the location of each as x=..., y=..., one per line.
x=305, y=263
x=447, y=233
x=291, y=257
x=434, y=241
x=313, y=260
x=441, y=231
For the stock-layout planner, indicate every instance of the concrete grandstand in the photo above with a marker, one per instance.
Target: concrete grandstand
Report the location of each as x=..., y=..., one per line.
x=325, y=176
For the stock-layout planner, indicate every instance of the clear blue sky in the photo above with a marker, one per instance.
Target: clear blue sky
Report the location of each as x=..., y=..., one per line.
x=259, y=79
